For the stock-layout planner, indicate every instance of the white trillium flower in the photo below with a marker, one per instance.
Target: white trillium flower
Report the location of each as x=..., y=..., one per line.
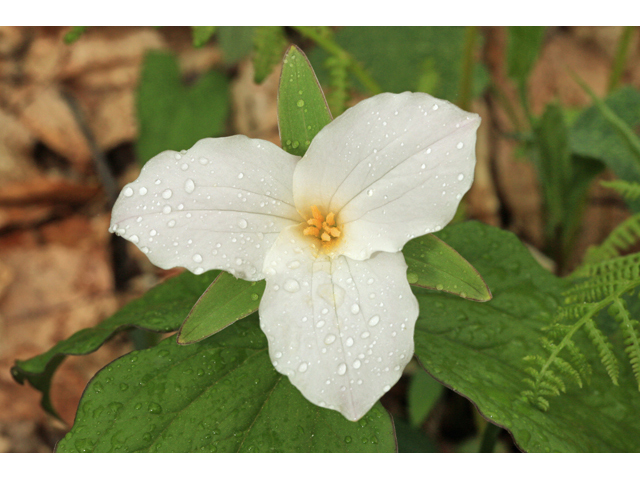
x=326, y=232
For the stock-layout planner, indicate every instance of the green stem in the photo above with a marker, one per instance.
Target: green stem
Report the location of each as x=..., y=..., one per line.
x=330, y=46
x=620, y=60
x=468, y=60
x=489, y=438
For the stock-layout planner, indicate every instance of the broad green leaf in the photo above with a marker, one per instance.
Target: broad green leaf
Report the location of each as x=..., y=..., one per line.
x=412, y=440
x=434, y=264
x=302, y=108
x=218, y=395
x=227, y=300
x=477, y=350
x=269, y=43
x=162, y=309
x=424, y=392
x=202, y=35
x=523, y=49
x=594, y=137
x=173, y=116
x=394, y=57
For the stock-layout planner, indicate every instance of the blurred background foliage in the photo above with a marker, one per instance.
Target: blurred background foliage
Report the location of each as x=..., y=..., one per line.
x=546, y=143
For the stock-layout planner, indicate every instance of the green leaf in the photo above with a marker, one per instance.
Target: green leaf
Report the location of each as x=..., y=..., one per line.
x=162, y=309
x=227, y=300
x=236, y=42
x=201, y=35
x=269, y=43
x=477, y=350
x=218, y=395
x=173, y=116
x=302, y=108
x=74, y=34
x=424, y=392
x=523, y=50
x=434, y=264
x=394, y=56
x=595, y=137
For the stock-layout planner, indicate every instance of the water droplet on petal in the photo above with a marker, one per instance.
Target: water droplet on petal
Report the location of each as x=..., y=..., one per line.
x=134, y=239
x=373, y=321
x=330, y=339
x=349, y=342
x=370, y=192
x=459, y=145
x=167, y=194
x=342, y=369
x=303, y=367
x=460, y=177
x=166, y=209
x=240, y=175
x=197, y=258
x=356, y=364
x=189, y=185
x=128, y=192
x=355, y=308
x=293, y=265
x=242, y=223
x=291, y=285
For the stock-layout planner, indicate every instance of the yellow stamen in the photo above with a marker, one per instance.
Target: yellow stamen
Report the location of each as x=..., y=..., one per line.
x=315, y=222
x=316, y=214
x=326, y=230
x=331, y=221
x=313, y=231
x=333, y=231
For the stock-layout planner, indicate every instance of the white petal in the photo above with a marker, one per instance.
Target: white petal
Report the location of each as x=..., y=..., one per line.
x=391, y=168
x=341, y=329
x=219, y=205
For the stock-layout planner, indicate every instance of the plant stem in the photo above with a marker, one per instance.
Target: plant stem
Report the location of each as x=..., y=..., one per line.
x=468, y=60
x=620, y=61
x=329, y=45
x=489, y=438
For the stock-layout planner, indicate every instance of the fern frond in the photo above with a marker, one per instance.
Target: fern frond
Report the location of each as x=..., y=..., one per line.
x=623, y=237
x=269, y=44
x=594, y=289
x=628, y=190
x=627, y=268
x=338, y=82
x=604, y=348
x=620, y=312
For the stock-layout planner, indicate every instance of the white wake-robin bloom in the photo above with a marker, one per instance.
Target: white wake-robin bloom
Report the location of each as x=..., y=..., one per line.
x=326, y=232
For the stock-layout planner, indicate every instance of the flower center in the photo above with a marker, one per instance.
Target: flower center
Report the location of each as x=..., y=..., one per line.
x=321, y=227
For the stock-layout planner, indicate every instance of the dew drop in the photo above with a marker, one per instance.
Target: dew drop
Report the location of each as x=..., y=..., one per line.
x=373, y=321
x=460, y=177
x=172, y=223
x=166, y=209
x=134, y=239
x=240, y=175
x=238, y=261
x=203, y=160
x=300, y=103
x=242, y=223
x=167, y=194
x=355, y=308
x=369, y=192
x=342, y=369
x=330, y=339
x=198, y=270
x=459, y=145
x=128, y=192
x=356, y=364
x=153, y=233
x=303, y=367
x=291, y=285
x=293, y=265
x=197, y=258
x=189, y=186
x=349, y=342
x=435, y=107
